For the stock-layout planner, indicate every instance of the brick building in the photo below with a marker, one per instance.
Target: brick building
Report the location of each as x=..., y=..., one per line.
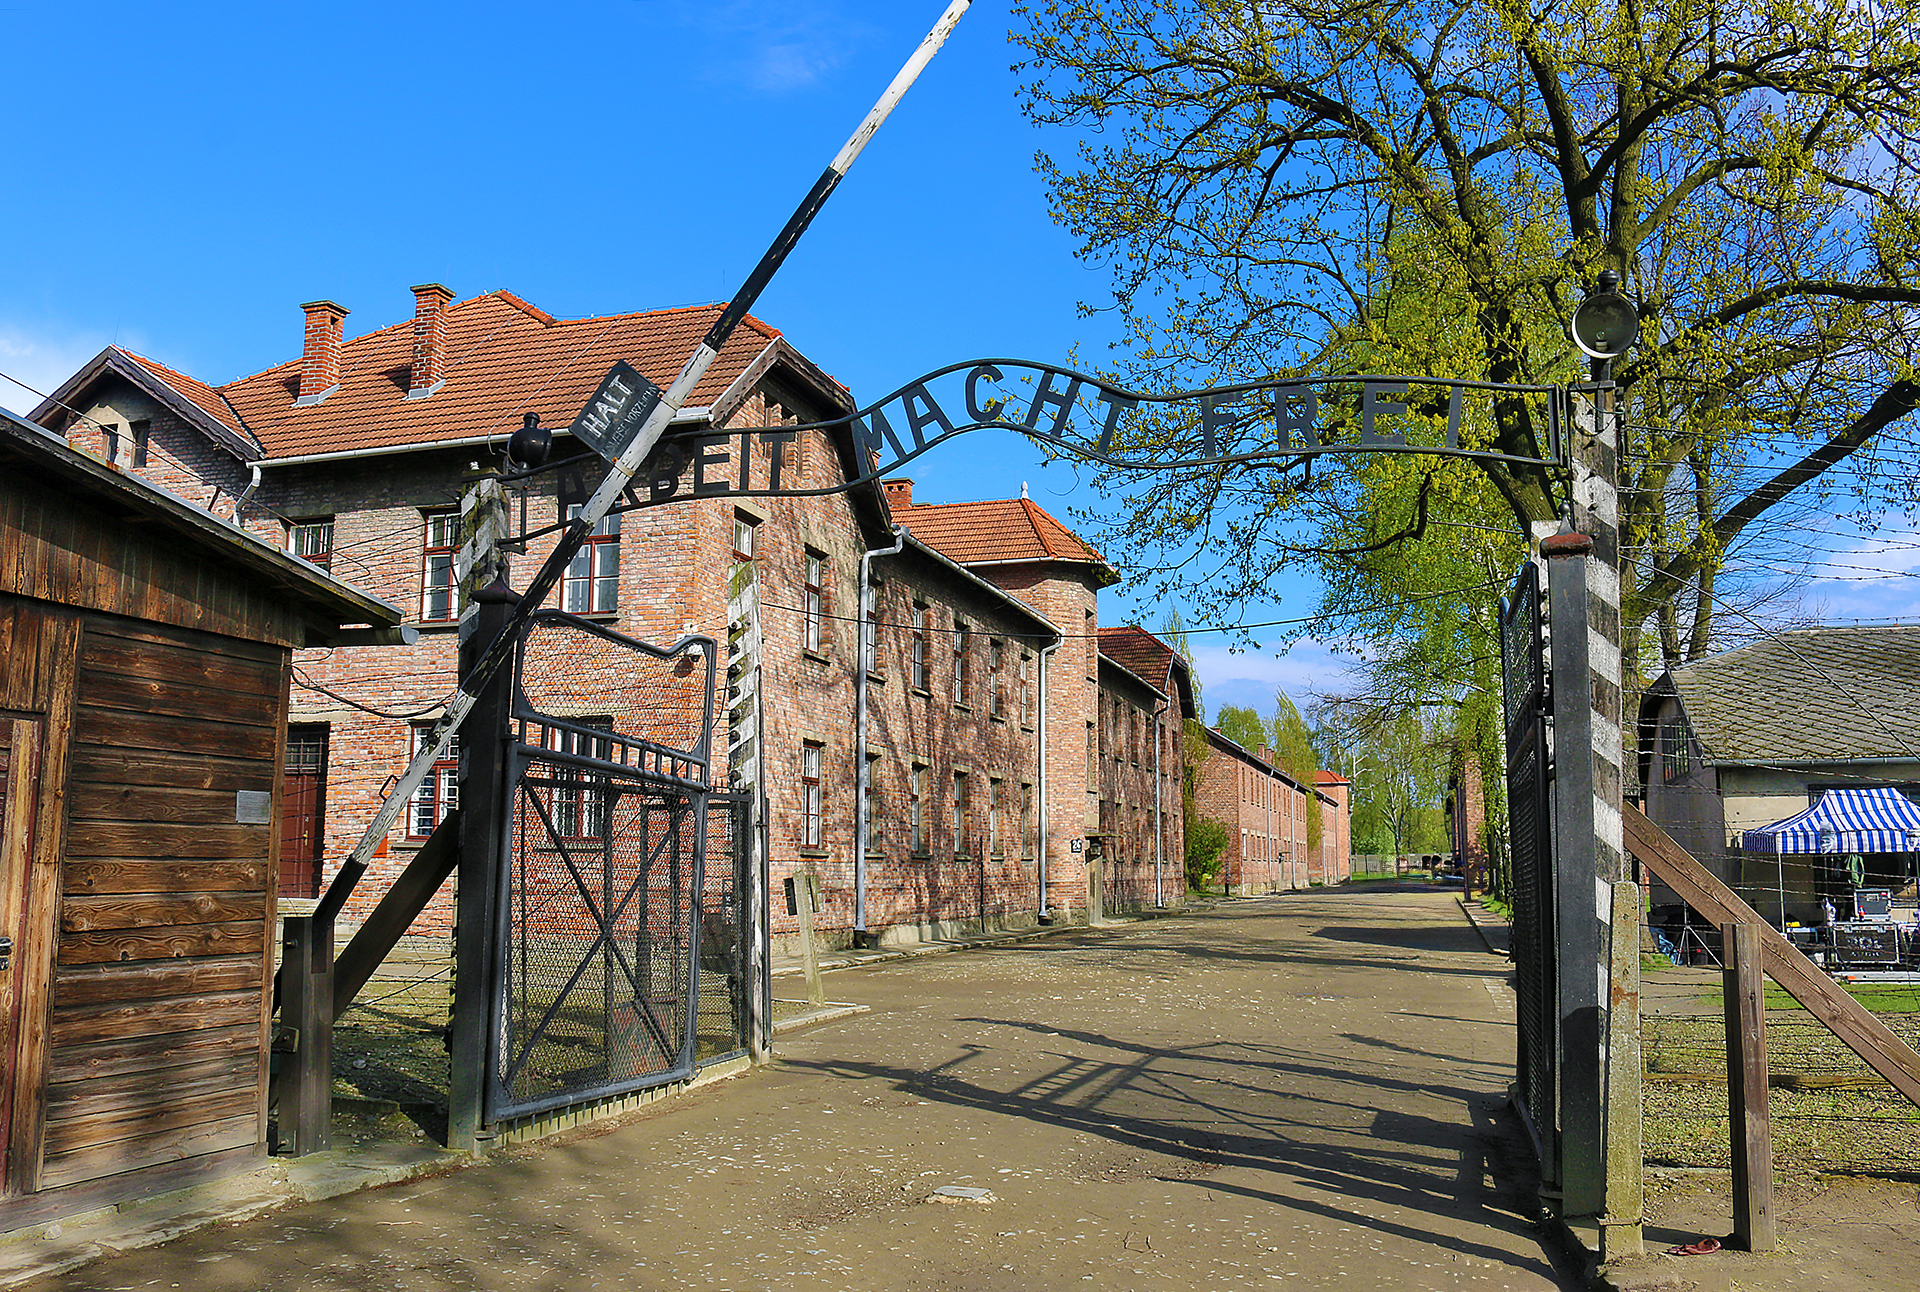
x=1112, y=701
x=1147, y=695
x=1336, y=831
x=1265, y=811
x=989, y=699
x=1466, y=812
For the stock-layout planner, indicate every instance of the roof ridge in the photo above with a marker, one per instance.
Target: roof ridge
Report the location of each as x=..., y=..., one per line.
x=172, y=377
x=518, y=302
x=639, y=314
x=160, y=369
x=1032, y=514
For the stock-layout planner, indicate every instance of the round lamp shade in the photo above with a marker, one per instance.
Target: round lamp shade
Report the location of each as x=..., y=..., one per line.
x=1605, y=326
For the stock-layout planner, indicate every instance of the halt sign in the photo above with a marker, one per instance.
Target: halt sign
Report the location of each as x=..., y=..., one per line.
x=613, y=416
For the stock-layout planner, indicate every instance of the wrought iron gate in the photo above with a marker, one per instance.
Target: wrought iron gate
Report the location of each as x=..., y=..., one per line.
x=1527, y=706
x=620, y=880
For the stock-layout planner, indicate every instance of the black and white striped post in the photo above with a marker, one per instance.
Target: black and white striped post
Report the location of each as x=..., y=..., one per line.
x=1598, y=912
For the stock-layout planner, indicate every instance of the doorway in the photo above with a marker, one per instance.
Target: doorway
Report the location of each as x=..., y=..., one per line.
x=303, y=810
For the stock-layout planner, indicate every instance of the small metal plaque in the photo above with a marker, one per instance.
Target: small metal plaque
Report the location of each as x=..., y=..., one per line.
x=615, y=413
x=253, y=807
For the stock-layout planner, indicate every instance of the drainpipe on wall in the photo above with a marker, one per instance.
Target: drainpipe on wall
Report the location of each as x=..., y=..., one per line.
x=1159, y=790
x=239, y=504
x=1046, y=720
x=863, y=654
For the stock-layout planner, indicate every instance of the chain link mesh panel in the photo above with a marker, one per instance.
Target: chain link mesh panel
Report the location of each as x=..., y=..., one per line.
x=598, y=969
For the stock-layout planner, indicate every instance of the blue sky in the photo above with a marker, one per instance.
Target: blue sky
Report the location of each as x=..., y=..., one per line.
x=183, y=176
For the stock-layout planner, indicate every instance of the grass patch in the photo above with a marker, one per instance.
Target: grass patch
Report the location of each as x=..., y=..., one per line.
x=1830, y=1111
x=1879, y=997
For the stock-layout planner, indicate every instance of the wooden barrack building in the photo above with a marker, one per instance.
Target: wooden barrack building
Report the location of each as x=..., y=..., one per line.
x=145, y=651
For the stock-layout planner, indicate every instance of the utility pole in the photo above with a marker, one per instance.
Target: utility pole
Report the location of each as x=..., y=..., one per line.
x=486, y=603
x=1602, y=1157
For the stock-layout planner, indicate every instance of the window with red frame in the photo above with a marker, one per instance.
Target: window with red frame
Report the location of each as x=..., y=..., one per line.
x=591, y=584
x=810, y=794
x=439, y=590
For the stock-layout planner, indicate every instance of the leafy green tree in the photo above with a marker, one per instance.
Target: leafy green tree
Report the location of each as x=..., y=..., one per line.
x=1430, y=186
x=1206, y=849
x=1242, y=726
x=1399, y=780
x=1292, y=743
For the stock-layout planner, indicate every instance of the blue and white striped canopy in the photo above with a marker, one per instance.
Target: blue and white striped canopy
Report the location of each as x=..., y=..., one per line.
x=1849, y=820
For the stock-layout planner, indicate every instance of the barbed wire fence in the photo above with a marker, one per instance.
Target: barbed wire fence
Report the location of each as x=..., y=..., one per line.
x=1829, y=1112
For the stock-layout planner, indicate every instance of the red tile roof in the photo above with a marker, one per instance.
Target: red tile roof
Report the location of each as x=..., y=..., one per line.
x=504, y=358
x=997, y=531
x=205, y=397
x=1152, y=660
x=1139, y=652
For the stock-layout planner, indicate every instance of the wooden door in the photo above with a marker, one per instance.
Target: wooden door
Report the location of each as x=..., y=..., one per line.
x=303, y=811
x=19, y=801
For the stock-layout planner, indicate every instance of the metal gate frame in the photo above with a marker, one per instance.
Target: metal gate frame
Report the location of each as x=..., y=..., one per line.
x=632, y=764
x=1527, y=706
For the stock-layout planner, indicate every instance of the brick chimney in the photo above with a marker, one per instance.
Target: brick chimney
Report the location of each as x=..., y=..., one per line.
x=899, y=494
x=429, y=339
x=320, y=359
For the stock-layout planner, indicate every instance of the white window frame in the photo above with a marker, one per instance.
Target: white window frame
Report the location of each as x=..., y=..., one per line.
x=814, y=600
x=439, y=793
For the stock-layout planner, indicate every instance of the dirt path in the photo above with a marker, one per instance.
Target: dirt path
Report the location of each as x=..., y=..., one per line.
x=1297, y=1092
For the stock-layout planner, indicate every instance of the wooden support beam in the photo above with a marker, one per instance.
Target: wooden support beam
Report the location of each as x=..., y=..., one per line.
x=305, y=1038
x=397, y=910
x=1749, y=1128
x=803, y=903
x=1805, y=981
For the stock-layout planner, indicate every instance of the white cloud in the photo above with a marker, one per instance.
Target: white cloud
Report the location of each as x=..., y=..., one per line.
x=40, y=361
x=1874, y=576
x=776, y=47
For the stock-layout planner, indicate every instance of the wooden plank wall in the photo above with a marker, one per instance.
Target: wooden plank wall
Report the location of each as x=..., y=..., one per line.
x=62, y=549
x=160, y=990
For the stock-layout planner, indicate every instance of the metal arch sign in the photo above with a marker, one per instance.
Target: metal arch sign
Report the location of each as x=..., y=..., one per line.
x=1072, y=413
